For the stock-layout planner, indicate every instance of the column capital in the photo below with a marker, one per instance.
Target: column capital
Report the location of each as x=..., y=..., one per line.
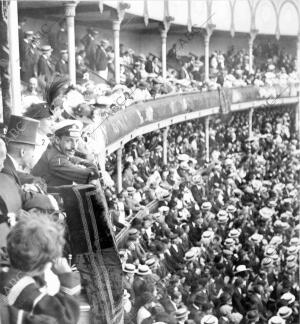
x=70, y=8
x=121, y=9
x=166, y=24
x=252, y=35
x=209, y=30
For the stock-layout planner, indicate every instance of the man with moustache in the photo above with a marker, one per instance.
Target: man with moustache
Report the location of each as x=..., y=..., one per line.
x=59, y=164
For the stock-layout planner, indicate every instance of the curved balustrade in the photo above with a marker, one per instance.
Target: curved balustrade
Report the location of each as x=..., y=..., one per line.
x=143, y=117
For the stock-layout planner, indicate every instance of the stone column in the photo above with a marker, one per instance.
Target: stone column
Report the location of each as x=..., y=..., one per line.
x=208, y=32
x=164, y=52
x=116, y=30
x=70, y=14
x=165, y=145
x=14, y=57
x=298, y=55
x=252, y=36
x=119, y=170
x=207, y=139
x=250, y=123
x=118, y=17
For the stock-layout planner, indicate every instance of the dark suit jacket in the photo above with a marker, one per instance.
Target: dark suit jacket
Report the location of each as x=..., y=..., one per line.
x=101, y=59
x=62, y=67
x=237, y=302
x=184, y=74
x=45, y=68
x=10, y=169
x=198, y=194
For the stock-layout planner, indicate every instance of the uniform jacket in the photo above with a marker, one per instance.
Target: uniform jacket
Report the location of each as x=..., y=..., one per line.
x=57, y=169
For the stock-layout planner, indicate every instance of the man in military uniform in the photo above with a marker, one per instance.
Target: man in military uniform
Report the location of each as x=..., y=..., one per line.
x=59, y=164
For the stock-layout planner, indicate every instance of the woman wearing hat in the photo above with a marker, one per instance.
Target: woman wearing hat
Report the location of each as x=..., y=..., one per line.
x=41, y=113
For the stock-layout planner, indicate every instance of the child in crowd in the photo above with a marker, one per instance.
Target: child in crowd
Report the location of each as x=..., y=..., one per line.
x=39, y=281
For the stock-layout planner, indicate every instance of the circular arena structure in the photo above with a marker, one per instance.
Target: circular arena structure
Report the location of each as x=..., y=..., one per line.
x=152, y=152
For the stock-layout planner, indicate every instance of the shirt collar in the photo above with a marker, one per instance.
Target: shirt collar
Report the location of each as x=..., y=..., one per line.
x=15, y=163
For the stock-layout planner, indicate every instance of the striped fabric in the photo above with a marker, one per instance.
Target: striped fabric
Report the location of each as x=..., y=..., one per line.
x=94, y=248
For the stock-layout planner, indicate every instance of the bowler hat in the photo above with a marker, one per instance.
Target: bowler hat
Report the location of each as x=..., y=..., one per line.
x=22, y=130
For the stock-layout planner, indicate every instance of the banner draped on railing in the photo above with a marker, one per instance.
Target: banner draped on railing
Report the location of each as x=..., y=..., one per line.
x=153, y=111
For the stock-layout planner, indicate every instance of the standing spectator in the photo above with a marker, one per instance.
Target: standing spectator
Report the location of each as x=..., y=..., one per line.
x=46, y=68
x=61, y=37
x=90, y=44
x=62, y=64
x=102, y=59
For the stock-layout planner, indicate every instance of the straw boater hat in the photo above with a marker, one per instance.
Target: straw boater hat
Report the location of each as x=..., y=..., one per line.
x=241, y=268
x=267, y=262
x=229, y=242
x=129, y=268
x=181, y=313
x=276, y=320
x=285, y=312
x=266, y=213
x=292, y=250
x=288, y=297
x=150, y=262
x=234, y=233
x=189, y=256
x=231, y=209
x=209, y=319
x=207, y=235
x=256, y=238
x=270, y=251
x=143, y=270
x=206, y=205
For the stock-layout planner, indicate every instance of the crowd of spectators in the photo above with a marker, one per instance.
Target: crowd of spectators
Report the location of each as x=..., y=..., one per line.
x=222, y=245
x=140, y=74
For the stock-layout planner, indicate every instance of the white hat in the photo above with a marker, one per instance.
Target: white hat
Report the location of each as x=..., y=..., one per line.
x=266, y=213
x=206, y=205
x=143, y=270
x=207, y=235
x=288, y=297
x=229, y=242
x=234, y=233
x=163, y=209
x=285, y=312
x=189, y=255
x=276, y=240
x=129, y=268
x=292, y=250
x=209, y=319
x=183, y=157
x=276, y=320
x=231, y=209
x=270, y=251
x=294, y=241
x=241, y=268
x=181, y=313
x=256, y=237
